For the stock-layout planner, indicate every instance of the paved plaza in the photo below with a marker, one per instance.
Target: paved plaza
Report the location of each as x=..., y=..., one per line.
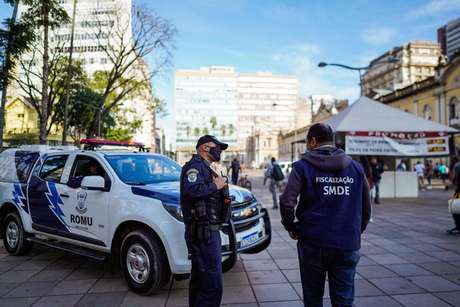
x=407, y=260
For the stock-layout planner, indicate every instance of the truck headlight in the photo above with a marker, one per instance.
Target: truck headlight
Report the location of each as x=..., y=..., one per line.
x=175, y=210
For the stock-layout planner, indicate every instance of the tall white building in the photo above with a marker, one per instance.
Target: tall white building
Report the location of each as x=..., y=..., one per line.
x=100, y=24
x=233, y=106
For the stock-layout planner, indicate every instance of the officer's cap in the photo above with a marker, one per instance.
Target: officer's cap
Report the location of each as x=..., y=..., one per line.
x=210, y=138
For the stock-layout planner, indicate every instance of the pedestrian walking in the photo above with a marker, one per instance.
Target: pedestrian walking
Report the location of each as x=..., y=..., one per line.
x=444, y=173
x=429, y=172
x=419, y=169
x=377, y=171
x=205, y=207
x=274, y=174
x=332, y=211
x=401, y=166
x=235, y=170
x=456, y=181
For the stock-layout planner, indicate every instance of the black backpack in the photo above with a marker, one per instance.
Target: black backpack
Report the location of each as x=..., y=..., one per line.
x=277, y=173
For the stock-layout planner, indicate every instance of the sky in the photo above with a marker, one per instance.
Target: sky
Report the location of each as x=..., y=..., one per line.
x=292, y=36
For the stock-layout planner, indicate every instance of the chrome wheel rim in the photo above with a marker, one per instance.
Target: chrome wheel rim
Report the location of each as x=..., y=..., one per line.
x=138, y=263
x=12, y=234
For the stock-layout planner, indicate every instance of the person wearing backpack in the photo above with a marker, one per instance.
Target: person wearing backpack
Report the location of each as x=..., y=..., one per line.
x=275, y=175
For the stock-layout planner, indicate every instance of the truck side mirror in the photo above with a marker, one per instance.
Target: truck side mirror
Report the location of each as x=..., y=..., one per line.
x=93, y=183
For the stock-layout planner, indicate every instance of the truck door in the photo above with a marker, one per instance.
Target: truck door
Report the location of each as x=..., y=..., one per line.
x=87, y=212
x=46, y=194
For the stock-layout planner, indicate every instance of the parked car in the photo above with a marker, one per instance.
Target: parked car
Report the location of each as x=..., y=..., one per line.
x=121, y=204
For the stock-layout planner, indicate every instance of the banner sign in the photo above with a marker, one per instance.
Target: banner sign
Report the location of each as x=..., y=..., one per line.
x=414, y=144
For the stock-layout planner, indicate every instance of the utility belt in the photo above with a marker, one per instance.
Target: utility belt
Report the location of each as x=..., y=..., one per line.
x=201, y=231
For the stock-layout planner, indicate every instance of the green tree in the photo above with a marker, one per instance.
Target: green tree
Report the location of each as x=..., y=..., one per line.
x=196, y=131
x=188, y=131
x=206, y=130
x=45, y=15
x=223, y=130
x=213, y=122
x=14, y=41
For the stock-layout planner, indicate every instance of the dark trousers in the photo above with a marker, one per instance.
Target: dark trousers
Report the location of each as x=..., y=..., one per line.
x=456, y=220
x=377, y=191
x=340, y=267
x=235, y=177
x=206, y=284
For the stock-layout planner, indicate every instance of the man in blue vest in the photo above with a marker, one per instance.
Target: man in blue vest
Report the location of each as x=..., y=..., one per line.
x=332, y=211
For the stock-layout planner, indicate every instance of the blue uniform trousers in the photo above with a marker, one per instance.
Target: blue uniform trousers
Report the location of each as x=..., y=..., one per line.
x=206, y=277
x=340, y=267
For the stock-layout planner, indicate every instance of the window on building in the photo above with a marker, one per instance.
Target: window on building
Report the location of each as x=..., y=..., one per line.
x=427, y=112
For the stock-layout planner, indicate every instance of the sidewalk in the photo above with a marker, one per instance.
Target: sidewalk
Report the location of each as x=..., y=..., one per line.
x=407, y=260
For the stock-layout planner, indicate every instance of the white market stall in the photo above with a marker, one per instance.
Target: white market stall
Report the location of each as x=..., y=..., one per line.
x=371, y=128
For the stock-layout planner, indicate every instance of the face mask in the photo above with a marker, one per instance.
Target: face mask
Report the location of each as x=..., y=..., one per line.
x=215, y=153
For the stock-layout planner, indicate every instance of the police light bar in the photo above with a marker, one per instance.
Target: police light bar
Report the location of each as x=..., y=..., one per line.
x=101, y=142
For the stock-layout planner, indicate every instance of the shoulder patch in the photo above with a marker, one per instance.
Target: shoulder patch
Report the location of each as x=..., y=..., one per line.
x=192, y=175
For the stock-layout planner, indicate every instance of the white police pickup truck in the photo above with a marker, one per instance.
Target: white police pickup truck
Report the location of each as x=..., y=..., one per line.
x=119, y=203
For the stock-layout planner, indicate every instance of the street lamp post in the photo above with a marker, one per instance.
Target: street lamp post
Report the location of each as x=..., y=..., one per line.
x=360, y=70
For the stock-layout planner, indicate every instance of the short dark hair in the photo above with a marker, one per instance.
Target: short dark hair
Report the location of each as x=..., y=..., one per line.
x=273, y=159
x=322, y=133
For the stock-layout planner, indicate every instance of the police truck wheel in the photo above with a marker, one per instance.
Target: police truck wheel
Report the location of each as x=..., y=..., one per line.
x=143, y=261
x=14, y=236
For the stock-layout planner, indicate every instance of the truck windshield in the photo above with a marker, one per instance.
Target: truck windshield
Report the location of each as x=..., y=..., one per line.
x=141, y=169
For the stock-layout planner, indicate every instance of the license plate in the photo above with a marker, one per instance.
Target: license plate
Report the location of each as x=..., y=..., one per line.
x=249, y=239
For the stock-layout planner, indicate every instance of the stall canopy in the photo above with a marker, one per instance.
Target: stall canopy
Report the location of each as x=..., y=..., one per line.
x=373, y=128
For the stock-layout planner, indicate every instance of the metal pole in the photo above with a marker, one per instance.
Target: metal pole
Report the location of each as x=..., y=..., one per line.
x=99, y=117
x=5, y=79
x=69, y=71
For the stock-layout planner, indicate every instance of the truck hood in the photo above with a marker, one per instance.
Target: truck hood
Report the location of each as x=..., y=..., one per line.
x=169, y=192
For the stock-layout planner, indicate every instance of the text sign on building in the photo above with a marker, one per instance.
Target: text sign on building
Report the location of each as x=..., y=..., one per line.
x=397, y=143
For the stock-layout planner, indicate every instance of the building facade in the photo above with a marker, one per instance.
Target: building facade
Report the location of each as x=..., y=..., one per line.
x=233, y=106
x=436, y=98
x=449, y=38
x=416, y=61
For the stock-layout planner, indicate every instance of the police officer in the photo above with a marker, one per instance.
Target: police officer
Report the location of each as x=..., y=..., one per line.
x=332, y=212
x=205, y=206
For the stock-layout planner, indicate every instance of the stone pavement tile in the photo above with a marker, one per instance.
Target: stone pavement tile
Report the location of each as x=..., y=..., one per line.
x=452, y=298
x=181, y=284
x=50, y=275
x=365, y=288
x=49, y=255
x=7, y=287
x=387, y=259
x=376, y=301
x=257, y=265
x=453, y=278
x=292, y=275
x=283, y=304
x=16, y=276
x=177, y=298
x=109, y=285
x=113, y=299
x=241, y=305
x=236, y=279
x=408, y=269
x=32, y=289
x=396, y=285
x=418, y=257
x=8, y=265
x=85, y=274
x=16, y=258
x=262, y=255
x=281, y=253
x=375, y=271
x=445, y=256
x=275, y=292
x=136, y=300
x=440, y=267
x=66, y=263
x=58, y=300
x=72, y=287
x=238, y=267
x=238, y=295
x=17, y=302
x=32, y=265
x=364, y=260
x=420, y=300
x=286, y=264
x=372, y=250
x=434, y=283
x=266, y=277
x=426, y=247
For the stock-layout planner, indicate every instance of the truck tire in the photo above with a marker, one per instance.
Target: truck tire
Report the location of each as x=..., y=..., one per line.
x=143, y=262
x=14, y=238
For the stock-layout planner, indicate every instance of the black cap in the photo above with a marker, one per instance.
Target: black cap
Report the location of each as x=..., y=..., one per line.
x=210, y=138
